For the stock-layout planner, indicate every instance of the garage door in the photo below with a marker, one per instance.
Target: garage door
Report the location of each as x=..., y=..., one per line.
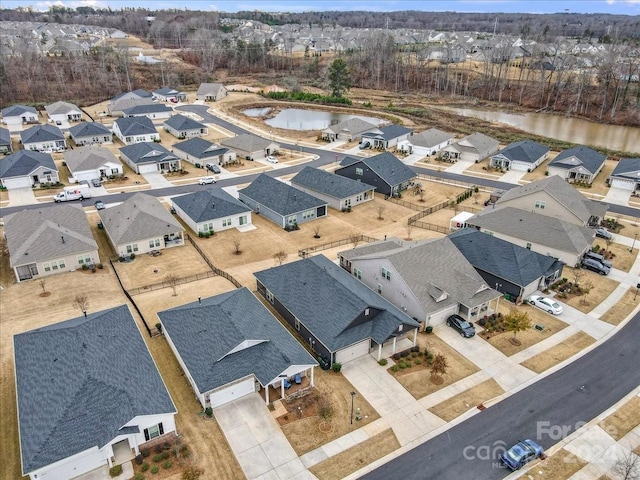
x=439, y=318
x=356, y=350
x=624, y=184
x=232, y=392
x=21, y=182
x=86, y=462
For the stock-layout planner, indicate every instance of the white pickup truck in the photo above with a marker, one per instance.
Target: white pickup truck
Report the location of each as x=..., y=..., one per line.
x=77, y=192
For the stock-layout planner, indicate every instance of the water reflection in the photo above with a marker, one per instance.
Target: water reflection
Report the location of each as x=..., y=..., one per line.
x=299, y=119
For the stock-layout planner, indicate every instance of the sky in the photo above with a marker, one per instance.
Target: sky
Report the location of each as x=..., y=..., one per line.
x=624, y=7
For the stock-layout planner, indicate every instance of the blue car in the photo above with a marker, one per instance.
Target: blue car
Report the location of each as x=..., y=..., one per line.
x=521, y=453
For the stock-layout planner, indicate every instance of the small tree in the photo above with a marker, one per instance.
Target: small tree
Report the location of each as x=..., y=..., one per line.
x=586, y=288
x=628, y=467
x=476, y=196
x=236, y=247
x=355, y=239
x=409, y=228
x=608, y=242
x=516, y=321
x=316, y=231
x=43, y=285
x=577, y=276
x=172, y=279
x=438, y=368
x=380, y=209
x=81, y=302
x=280, y=257
x=325, y=409
x=339, y=78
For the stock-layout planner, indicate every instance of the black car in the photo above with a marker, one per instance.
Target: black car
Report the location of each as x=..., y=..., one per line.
x=465, y=328
x=595, y=266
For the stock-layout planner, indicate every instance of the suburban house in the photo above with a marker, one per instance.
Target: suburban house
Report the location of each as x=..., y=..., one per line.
x=426, y=143
x=211, y=92
x=200, y=151
x=387, y=174
x=43, y=138
x=339, y=317
x=543, y=234
x=59, y=112
x=90, y=133
x=19, y=115
x=105, y=398
x=128, y=99
x=167, y=94
x=339, y=192
x=139, y=225
x=151, y=110
x=230, y=345
x=429, y=279
x=149, y=157
x=5, y=141
x=385, y=137
x=626, y=175
x=552, y=196
x=211, y=210
x=26, y=168
x=283, y=204
x=512, y=270
x=88, y=163
x=132, y=130
x=49, y=240
x=184, y=127
x=577, y=164
x=472, y=148
x=523, y=156
x=251, y=147
x=349, y=130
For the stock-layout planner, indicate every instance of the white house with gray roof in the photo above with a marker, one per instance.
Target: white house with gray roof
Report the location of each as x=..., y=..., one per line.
x=19, y=115
x=386, y=137
x=149, y=157
x=212, y=210
x=168, y=94
x=27, y=168
x=5, y=141
x=132, y=130
x=153, y=110
x=91, y=162
x=43, y=138
x=127, y=100
x=211, y=92
x=90, y=133
x=429, y=279
x=59, y=112
x=251, y=147
x=87, y=391
x=230, y=345
x=283, y=204
x=183, y=127
x=626, y=175
x=577, y=164
x=426, y=143
x=349, y=130
x=139, y=225
x=200, y=151
x=472, y=148
x=49, y=240
x=339, y=192
x=523, y=156
x=339, y=317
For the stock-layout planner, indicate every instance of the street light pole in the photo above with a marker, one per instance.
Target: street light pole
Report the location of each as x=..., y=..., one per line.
x=635, y=236
x=353, y=394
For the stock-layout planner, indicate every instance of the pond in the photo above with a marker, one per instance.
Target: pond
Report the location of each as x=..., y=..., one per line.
x=299, y=119
x=575, y=130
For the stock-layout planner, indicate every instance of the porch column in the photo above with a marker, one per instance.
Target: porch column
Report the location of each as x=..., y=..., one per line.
x=282, y=389
x=266, y=396
x=379, y=351
x=312, y=369
x=394, y=344
x=415, y=337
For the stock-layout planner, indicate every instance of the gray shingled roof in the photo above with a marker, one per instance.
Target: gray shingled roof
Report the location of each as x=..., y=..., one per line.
x=140, y=93
x=209, y=88
x=503, y=259
x=166, y=91
x=147, y=152
x=385, y=165
x=374, y=247
x=17, y=110
x=247, y=142
x=628, y=168
x=88, y=129
x=41, y=133
x=138, y=218
x=558, y=188
x=205, y=333
x=430, y=138
x=389, y=132
x=61, y=108
x=24, y=162
x=200, y=148
x=280, y=197
x=89, y=157
x=354, y=126
x=209, y=204
x=480, y=141
x=581, y=156
x=147, y=108
x=526, y=151
x=180, y=122
x=131, y=126
x=326, y=299
x=5, y=136
x=79, y=382
x=36, y=235
x=535, y=228
x=328, y=183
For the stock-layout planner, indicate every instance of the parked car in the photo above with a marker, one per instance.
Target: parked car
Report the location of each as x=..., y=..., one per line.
x=595, y=266
x=207, y=180
x=461, y=325
x=99, y=205
x=271, y=159
x=599, y=258
x=545, y=303
x=603, y=233
x=212, y=167
x=364, y=145
x=521, y=453
x=96, y=182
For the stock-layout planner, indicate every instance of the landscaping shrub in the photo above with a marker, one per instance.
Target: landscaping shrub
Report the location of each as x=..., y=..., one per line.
x=144, y=467
x=139, y=459
x=165, y=455
x=395, y=368
x=100, y=266
x=208, y=412
x=417, y=361
x=428, y=329
x=115, y=470
x=138, y=476
x=414, y=354
x=167, y=464
x=155, y=469
x=157, y=457
x=132, y=256
x=402, y=364
x=482, y=322
x=336, y=367
x=382, y=362
x=145, y=452
x=396, y=356
x=404, y=353
x=85, y=266
x=184, y=451
x=192, y=473
x=415, y=348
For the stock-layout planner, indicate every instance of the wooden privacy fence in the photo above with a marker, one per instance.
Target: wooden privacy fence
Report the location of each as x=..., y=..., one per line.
x=171, y=284
x=305, y=252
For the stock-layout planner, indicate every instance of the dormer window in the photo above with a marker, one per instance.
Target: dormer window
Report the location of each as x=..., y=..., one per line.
x=366, y=312
x=400, y=327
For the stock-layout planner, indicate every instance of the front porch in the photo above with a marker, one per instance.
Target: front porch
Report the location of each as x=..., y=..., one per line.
x=393, y=345
x=278, y=391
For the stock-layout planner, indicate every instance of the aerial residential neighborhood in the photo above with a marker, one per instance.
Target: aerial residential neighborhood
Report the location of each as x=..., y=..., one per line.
x=208, y=272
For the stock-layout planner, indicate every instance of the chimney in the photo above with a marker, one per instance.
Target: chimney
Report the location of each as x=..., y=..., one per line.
x=62, y=237
x=199, y=301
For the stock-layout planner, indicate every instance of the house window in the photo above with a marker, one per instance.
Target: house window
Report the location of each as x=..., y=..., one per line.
x=47, y=267
x=357, y=273
x=540, y=204
x=270, y=296
x=291, y=219
x=154, y=243
x=297, y=324
x=153, y=432
x=528, y=246
x=226, y=222
x=386, y=274
x=114, y=171
x=347, y=202
x=308, y=214
x=132, y=248
x=84, y=259
x=127, y=139
x=380, y=289
x=359, y=171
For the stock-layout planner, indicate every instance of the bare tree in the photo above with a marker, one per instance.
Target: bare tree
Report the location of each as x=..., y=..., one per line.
x=476, y=196
x=81, y=302
x=236, y=247
x=577, y=275
x=172, y=279
x=280, y=257
x=628, y=467
x=409, y=228
x=316, y=231
x=608, y=242
x=586, y=288
x=43, y=285
x=355, y=239
x=438, y=368
x=380, y=210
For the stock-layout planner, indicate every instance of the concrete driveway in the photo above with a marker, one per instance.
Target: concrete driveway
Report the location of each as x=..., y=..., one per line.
x=459, y=167
x=157, y=180
x=512, y=176
x=618, y=196
x=21, y=196
x=257, y=441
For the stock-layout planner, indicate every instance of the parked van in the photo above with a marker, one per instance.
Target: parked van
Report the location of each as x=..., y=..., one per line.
x=599, y=258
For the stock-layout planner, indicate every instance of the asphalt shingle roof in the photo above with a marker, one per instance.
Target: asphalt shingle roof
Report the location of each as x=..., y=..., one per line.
x=166, y=91
x=526, y=151
x=147, y=152
x=180, y=122
x=209, y=88
x=503, y=259
x=89, y=157
x=430, y=138
x=388, y=132
x=328, y=183
x=5, y=136
x=247, y=142
x=326, y=299
x=23, y=162
x=200, y=148
x=41, y=133
x=582, y=156
x=79, y=381
x=209, y=204
x=354, y=126
x=205, y=333
x=17, y=110
x=147, y=108
x=628, y=168
x=280, y=197
x=131, y=126
x=88, y=129
x=60, y=108
x=385, y=165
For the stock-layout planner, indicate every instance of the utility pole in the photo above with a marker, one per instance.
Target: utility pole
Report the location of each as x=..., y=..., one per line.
x=495, y=25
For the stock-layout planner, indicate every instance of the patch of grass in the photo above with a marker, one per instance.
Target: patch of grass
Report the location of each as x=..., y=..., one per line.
x=459, y=404
x=356, y=457
x=623, y=420
x=558, y=353
x=560, y=465
x=622, y=259
x=602, y=288
x=622, y=308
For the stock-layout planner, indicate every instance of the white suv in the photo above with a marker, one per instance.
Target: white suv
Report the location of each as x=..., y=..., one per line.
x=271, y=159
x=207, y=180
